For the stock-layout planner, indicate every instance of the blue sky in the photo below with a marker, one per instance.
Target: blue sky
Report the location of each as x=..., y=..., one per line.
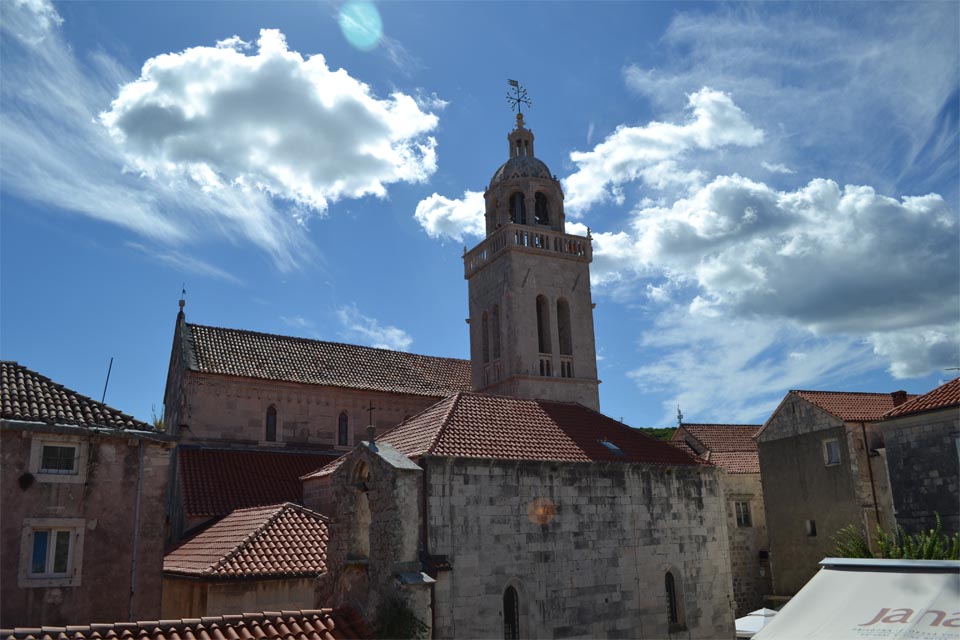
x=772, y=189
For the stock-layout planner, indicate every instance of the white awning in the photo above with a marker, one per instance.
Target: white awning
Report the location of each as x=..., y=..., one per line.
x=750, y=624
x=866, y=598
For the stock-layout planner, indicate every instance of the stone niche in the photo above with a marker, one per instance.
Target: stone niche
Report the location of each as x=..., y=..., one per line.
x=373, y=555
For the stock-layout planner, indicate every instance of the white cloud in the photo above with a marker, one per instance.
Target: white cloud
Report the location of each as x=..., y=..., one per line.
x=442, y=217
x=185, y=263
x=273, y=121
x=369, y=331
x=837, y=262
x=728, y=369
x=821, y=86
x=651, y=152
x=777, y=167
x=56, y=153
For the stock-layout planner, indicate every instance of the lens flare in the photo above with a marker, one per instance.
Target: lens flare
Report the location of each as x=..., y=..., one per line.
x=361, y=25
x=541, y=511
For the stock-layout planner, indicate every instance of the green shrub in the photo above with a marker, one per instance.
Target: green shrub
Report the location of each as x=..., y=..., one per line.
x=397, y=621
x=932, y=544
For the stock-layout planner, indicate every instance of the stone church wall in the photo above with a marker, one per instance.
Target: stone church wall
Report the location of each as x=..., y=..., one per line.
x=586, y=546
x=220, y=409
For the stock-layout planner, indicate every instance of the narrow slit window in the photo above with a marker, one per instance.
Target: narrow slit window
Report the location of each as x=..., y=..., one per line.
x=495, y=332
x=543, y=325
x=271, y=430
x=673, y=610
x=343, y=430
x=563, y=327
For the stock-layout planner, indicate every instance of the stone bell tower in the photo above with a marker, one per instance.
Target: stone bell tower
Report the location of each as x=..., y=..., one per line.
x=531, y=314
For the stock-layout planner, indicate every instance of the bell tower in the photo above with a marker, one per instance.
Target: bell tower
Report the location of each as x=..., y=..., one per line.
x=531, y=313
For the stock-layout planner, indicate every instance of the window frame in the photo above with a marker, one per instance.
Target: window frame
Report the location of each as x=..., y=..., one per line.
x=41, y=440
x=826, y=452
x=673, y=592
x=75, y=528
x=743, y=514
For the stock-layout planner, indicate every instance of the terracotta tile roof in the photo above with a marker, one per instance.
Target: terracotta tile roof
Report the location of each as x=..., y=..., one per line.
x=851, y=406
x=284, y=540
x=735, y=461
x=26, y=395
x=474, y=425
x=318, y=624
x=215, y=482
x=722, y=437
x=235, y=352
x=945, y=396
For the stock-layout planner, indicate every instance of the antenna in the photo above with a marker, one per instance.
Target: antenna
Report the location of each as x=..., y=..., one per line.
x=518, y=98
x=109, y=369
x=679, y=417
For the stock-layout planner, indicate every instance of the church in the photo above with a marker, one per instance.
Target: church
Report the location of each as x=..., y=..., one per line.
x=502, y=502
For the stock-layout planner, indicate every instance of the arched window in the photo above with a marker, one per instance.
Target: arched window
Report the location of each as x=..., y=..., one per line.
x=271, y=431
x=673, y=604
x=511, y=614
x=563, y=327
x=343, y=430
x=518, y=209
x=541, y=213
x=485, y=338
x=495, y=330
x=543, y=325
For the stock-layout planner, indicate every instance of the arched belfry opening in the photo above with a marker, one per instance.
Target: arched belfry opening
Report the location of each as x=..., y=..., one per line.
x=360, y=540
x=518, y=208
x=541, y=210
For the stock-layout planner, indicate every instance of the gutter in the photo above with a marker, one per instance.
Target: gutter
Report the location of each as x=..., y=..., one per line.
x=873, y=488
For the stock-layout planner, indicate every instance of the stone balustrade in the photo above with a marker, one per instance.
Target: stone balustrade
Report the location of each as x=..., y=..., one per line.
x=523, y=237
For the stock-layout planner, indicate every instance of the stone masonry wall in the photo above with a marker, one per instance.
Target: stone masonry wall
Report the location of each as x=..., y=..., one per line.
x=585, y=545
x=751, y=574
x=922, y=459
x=233, y=410
x=105, y=503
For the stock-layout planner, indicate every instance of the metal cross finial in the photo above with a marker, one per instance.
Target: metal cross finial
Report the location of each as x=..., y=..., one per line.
x=370, y=411
x=518, y=98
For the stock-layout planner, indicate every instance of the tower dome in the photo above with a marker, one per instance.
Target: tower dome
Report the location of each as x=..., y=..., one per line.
x=520, y=167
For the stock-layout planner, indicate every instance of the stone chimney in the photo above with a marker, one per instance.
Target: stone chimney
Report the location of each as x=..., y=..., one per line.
x=899, y=397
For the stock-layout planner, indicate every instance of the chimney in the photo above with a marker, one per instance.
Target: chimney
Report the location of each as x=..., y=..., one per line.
x=899, y=397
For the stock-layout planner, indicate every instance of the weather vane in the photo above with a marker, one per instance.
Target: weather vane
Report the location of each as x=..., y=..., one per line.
x=518, y=98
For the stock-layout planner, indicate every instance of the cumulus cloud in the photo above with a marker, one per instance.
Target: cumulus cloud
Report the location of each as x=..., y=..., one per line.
x=369, y=331
x=159, y=167
x=456, y=219
x=273, y=121
x=835, y=261
x=651, y=152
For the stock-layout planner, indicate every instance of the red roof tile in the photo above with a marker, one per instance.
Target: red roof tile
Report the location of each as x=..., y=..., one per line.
x=284, y=540
x=850, y=406
x=722, y=437
x=235, y=352
x=215, y=482
x=735, y=461
x=318, y=624
x=944, y=396
x=26, y=395
x=474, y=425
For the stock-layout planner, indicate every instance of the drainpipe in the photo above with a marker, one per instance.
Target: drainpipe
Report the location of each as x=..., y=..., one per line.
x=873, y=488
x=136, y=535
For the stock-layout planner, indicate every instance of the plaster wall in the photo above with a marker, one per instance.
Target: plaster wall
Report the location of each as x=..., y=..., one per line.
x=586, y=546
x=922, y=458
x=751, y=573
x=105, y=504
